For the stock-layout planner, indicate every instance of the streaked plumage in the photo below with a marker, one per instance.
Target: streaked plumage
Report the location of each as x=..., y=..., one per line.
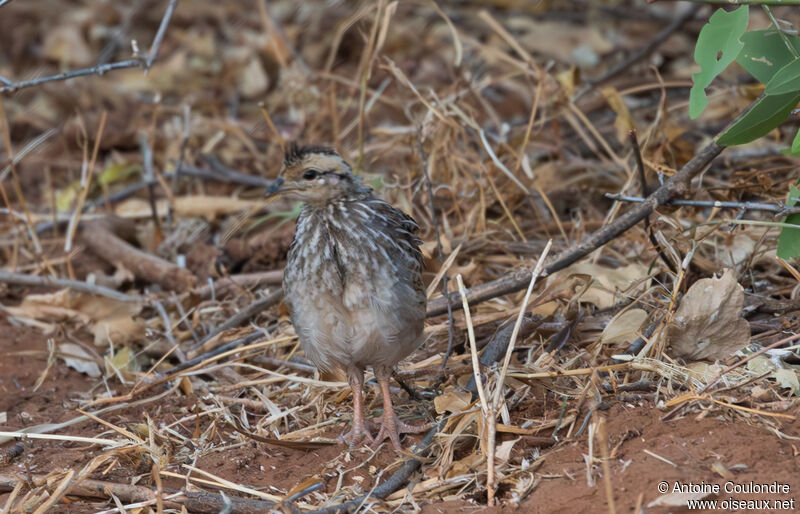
x=353, y=278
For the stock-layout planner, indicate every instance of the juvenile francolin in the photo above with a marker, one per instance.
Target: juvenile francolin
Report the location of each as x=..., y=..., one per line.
x=353, y=280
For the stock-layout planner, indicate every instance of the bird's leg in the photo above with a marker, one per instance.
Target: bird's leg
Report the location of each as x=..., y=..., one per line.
x=391, y=427
x=360, y=430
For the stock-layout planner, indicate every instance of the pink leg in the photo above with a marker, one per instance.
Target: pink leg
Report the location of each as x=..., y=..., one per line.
x=360, y=430
x=391, y=427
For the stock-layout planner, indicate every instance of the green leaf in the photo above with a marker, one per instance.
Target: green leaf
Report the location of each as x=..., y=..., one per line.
x=789, y=239
x=796, y=144
x=786, y=80
x=765, y=53
x=117, y=173
x=766, y=114
x=717, y=46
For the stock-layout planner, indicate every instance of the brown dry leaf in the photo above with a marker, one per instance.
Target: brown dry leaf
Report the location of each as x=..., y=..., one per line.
x=703, y=371
x=120, y=328
x=106, y=318
x=566, y=42
x=608, y=282
x=252, y=79
x=623, y=123
x=79, y=359
x=66, y=45
x=503, y=452
x=625, y=327
x=787, y=378
x=452, y=401
x=736, y=250
x=707, y=325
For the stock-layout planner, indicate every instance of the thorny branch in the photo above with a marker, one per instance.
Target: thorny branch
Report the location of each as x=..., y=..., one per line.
x=142, y=61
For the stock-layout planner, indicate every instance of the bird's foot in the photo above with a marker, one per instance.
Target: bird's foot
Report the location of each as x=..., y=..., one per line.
x=391, y=428
x=360, y=432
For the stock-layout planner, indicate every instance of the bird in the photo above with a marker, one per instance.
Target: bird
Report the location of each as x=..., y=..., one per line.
x=353, y=280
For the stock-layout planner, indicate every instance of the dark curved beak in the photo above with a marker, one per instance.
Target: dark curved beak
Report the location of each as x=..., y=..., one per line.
x=275, y=187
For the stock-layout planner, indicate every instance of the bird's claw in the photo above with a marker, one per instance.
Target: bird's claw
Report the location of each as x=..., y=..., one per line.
x=391, y=428
x=360, y=432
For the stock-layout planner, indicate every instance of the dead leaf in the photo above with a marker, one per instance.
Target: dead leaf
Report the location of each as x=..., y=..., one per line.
x=253, y=80
x=707, y=325
x=623, y=123
x=452, y=401
x=65, y=44
x=608, y=282
x=106, y=318
x=503, y=452
x=703, y=371
x=79, y=359
x=787, y=378
x=625, y=327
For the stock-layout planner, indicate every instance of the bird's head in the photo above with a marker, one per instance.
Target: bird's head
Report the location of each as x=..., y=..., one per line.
x=314, y=174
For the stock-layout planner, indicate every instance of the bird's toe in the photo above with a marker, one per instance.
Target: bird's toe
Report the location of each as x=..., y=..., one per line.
x=391, y=428
x=360, y=432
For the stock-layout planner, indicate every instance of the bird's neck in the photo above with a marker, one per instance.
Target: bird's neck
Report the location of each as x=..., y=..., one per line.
x=322, y=206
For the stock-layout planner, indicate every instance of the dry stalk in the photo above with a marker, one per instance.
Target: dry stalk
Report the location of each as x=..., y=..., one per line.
x=487, y=409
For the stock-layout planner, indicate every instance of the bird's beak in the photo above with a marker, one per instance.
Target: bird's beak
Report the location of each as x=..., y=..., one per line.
x=275, y=187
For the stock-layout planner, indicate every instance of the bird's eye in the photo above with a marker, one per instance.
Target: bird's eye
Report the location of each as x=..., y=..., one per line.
x=310, y=174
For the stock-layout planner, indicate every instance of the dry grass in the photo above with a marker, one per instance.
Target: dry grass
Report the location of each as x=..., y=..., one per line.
x=512, y=161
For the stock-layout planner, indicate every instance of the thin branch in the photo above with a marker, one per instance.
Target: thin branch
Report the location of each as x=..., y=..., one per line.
x=783, y=36
x=162, y=30
x=21, y=279
x=394, y=482
x=243, y=315
x=642, y=53
x=517, y=280
x=778, y=208
x=138, y=61
x=637, y=154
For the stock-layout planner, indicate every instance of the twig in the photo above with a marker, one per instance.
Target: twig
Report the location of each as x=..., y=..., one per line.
x=253, y=336
x=149, y=177
x=518, y=323
x=517, y=280
x=394, y=482
x=603, y=433
x=162, y=29
x=100, y=237
x=643, y=52
x=637, y=154
x=243, y=315
x=202, y=502
x=780, y=210
x=487, y=409
x=223, y=286
x=11, y=87
x=730, y=368
x=138, y=61
x=497, y=346
x=20, y=279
